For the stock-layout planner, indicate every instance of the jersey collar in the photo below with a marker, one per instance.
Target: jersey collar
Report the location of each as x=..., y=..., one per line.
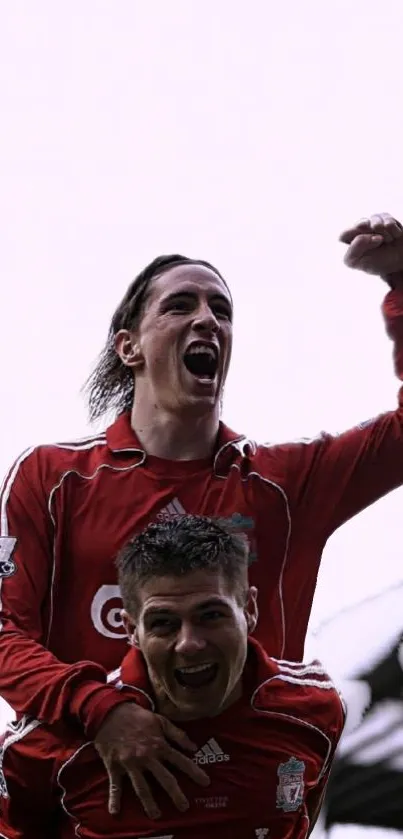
x=133, y=673
x=120, y=437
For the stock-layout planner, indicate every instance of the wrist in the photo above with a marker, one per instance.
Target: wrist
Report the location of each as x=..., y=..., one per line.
x=394, y=281
x=93, y=702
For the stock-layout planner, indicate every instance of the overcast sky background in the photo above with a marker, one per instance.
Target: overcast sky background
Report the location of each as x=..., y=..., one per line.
x=248, y=134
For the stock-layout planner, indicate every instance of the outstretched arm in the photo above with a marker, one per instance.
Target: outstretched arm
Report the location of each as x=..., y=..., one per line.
x=333, y=477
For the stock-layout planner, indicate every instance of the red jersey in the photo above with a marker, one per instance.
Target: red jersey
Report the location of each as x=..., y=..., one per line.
x=67, y=509
x=268, y=757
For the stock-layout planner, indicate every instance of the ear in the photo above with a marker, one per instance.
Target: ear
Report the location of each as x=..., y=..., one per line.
x=130, y=627
x=251, y=610
x=128, y=349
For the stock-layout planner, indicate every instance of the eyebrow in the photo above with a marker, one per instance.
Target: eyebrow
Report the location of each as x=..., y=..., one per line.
x=213, y=601
x=166, y=610
x=192, y=294
x=154, y=610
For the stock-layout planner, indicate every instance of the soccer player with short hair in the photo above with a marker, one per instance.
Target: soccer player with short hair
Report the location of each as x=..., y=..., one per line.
x=266, y=729
x=67, y=509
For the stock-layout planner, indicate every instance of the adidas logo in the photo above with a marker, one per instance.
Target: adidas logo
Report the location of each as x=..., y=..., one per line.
x=174, y=508
x=210, y=753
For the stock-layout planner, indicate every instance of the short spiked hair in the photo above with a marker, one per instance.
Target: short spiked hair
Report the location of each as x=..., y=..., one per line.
x=179, y=545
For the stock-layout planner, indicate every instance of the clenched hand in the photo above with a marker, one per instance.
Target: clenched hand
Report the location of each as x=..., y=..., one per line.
x=376, y=247
x=133, y=741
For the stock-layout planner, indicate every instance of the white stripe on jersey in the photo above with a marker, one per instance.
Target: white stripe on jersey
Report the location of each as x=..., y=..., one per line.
x=8, y=482
x=304, y=670
x=4, y=496
x=284, y=662
x=82, y=446
x=14, y=732
x=307, y=681
x=114, y=676
x=6, y=489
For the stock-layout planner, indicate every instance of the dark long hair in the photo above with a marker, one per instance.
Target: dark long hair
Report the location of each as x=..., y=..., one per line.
x=110, y=387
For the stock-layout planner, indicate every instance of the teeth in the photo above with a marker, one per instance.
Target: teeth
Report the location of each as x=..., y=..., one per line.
x=195, y=350
x=197, y=668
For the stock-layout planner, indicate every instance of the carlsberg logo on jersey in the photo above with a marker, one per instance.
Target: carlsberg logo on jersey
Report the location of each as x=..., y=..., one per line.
x=106, y=612
x=211, y=752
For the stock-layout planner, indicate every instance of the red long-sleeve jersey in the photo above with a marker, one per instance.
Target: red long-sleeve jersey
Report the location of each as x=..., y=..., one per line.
x=66, y=510
x=268, y=757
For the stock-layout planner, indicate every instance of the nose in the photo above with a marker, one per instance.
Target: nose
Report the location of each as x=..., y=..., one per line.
x=205, y=319
x=189, y=641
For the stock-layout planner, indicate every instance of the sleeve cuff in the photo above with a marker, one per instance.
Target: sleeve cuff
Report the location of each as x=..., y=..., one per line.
x=392, y=305
x=93, y=702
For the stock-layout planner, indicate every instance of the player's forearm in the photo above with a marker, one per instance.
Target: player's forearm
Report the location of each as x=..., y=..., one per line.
x=333, y=477
x=92, y=702
x=34, y=682
x=393, y=313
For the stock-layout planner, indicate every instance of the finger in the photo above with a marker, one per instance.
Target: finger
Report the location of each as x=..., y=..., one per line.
x=362, y=226
x=392, y=227
x=381, y=224
x=143, y=792
x=176, y=735
x=188, y=766
x=169, y=784
x=360, y=246
x=115, y=789
x=397, y=229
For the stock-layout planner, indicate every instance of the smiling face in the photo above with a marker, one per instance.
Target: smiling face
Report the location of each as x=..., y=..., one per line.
x=181, y=349
x=192, y=631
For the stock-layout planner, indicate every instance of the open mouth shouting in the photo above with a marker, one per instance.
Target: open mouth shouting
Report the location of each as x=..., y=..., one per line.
x=201, y=360
x=196, y=676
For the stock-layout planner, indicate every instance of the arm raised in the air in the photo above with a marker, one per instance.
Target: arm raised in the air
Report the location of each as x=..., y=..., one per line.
x=333, y=477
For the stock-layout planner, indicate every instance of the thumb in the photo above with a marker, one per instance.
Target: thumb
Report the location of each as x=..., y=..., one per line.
x=176, y=735
x=360, y=246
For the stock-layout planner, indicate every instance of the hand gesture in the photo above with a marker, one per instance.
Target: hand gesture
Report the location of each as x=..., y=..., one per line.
x=133, y=741
x=376, y=247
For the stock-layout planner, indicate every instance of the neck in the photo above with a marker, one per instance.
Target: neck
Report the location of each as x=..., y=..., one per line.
x=173, y=437
x=168, y=709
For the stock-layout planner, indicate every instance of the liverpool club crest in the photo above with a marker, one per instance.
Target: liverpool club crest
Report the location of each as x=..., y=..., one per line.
x=290, y=787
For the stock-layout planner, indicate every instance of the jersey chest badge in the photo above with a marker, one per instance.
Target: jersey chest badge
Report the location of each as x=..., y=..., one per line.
x=290, y=787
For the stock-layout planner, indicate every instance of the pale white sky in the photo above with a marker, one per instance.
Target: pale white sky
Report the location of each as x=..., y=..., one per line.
x=248, y=134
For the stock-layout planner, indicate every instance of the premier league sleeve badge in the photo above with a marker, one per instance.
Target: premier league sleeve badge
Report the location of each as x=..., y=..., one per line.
x=7, y=564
